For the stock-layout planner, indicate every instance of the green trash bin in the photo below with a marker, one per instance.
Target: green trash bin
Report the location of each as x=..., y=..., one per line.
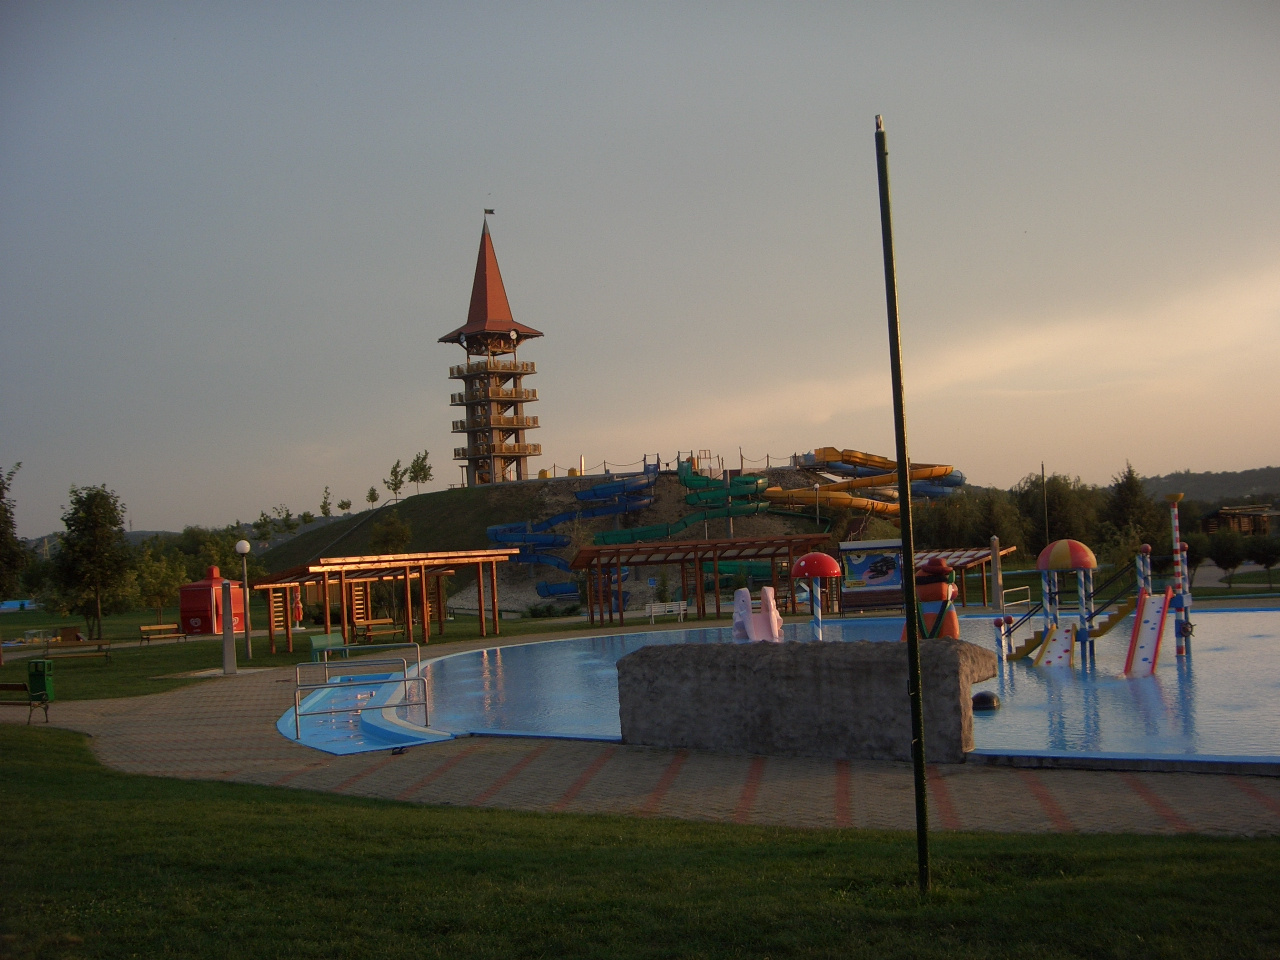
x=40, y=679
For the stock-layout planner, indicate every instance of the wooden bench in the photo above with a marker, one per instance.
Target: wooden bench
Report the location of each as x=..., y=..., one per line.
x=367, y=631
x=159, y=631
x=29, y=700
x=677, y=607
x=323, y=643
x=102, y=648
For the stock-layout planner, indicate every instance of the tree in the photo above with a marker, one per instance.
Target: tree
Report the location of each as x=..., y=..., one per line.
x=344, y=505
x=1130, y=518
x=1226, y=549
x=1073, y=509
x=12, y=557
x=159, y=577
x=1265, y=552
x=390, y=534
x=306, y=517
x=395, y=482
x=283, y=522
x=263, y=527
x=92, y=568
x=372, y=496
x=420, y=470
x=326, y=504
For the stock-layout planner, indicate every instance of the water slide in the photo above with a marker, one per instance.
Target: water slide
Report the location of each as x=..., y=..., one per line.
x=869, y=472
x=535, y=540
x=1148, y=631
x=702, y=490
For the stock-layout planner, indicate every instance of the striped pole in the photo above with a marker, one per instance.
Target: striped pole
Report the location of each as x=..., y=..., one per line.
x=1180, y=619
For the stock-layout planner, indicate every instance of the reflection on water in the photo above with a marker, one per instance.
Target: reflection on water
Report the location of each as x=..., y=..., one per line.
x=1223, y=700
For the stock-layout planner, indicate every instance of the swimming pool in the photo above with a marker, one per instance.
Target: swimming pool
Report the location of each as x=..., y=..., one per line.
x=1222, y=702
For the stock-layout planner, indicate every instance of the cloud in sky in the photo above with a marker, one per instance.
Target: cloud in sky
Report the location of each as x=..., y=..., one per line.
x=230, y=236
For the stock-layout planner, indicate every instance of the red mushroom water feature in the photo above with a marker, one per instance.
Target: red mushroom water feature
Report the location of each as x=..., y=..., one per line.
x=815, y=567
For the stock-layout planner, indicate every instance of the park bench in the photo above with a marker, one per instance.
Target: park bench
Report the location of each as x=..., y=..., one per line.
x=677, y=607
x=159, y=631
x=28, y=700
x=69, y=639
x=323, y=643
x=367, y=631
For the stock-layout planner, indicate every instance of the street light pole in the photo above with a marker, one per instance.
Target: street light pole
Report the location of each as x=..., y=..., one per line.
x=242, y=548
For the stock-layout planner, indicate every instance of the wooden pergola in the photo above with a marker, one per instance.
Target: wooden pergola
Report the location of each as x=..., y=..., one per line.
x=353, y=577
x=603, y=566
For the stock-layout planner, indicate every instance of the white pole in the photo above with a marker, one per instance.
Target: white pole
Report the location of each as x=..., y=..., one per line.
x=997, y=576
x=228, y=632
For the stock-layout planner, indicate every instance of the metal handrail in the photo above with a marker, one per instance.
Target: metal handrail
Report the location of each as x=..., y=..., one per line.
x=297, y=698
x=380, y=646
x=347, y=665
x=1004, y=596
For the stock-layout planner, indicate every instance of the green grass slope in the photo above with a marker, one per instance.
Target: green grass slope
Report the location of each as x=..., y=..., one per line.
x=443, y=520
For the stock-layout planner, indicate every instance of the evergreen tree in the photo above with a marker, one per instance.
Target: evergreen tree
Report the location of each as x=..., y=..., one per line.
x=92, y=568
x=12, y=557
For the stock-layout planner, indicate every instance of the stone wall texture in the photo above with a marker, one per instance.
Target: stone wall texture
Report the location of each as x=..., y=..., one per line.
x=836, y=700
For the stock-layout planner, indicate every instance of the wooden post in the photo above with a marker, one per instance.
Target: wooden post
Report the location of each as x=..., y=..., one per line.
x=791, y=580
x=441, y=610
x=408, y=604
x=591, y=600
x=424, y=600
x=699, y=586
x=493, y=596
x=342, y=588
x=328, y=626
x=621, y=615
x=480, y=597
x=271, y=620
x=715, y=573
x=288, y=621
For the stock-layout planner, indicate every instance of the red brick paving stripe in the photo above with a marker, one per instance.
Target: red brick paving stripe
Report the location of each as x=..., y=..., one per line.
x=511, y=774
x=439, y=771
x=1057, y=816
x=297, y=773
x=372, y=768
x=580, y=784
x=843, y=815
x=668, y=778
x=942, y=799
x=1166, y=813
x=742, y=813
x=1253, y=793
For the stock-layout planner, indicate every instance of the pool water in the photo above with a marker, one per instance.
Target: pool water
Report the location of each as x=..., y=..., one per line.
x=1222, y=701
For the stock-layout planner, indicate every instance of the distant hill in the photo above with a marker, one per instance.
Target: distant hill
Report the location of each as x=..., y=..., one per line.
x=1262, y=483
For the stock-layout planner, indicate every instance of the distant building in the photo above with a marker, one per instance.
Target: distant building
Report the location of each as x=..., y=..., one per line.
x=1249, y=520
x=493, y=395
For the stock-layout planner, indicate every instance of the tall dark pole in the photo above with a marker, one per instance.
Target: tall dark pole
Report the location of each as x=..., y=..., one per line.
x=904, y=503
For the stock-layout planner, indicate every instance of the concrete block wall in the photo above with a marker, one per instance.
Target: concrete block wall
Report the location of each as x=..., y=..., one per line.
x=835, y=700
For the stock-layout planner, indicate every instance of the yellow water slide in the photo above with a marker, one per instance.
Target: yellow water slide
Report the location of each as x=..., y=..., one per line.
x=836, y=494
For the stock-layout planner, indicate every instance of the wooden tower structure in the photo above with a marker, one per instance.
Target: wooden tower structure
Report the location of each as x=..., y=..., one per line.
x=493, y=392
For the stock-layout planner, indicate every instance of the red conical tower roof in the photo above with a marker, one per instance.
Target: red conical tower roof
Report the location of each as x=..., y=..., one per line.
x=489, y=325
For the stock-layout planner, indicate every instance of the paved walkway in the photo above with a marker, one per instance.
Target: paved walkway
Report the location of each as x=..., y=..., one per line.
x=224, y=729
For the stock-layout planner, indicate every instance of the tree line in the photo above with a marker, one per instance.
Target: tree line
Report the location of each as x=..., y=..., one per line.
x=1115, y=521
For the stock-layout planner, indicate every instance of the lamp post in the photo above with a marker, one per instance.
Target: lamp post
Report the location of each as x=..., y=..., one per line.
x=243, y=547
x=817, y=509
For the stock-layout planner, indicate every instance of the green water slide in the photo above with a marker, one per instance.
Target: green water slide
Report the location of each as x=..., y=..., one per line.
x=660, y=531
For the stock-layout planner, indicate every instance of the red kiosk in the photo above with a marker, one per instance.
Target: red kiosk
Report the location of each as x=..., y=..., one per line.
x=200, y=605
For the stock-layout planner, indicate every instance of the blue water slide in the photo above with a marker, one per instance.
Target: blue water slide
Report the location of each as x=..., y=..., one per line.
x=520, y=533
x=550, y=559
x=550, y=591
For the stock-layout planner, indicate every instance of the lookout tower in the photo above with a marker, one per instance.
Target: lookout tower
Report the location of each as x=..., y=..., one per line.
x=493, y=393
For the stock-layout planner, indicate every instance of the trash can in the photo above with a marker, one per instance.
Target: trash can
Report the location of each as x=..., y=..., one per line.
x=40, y=679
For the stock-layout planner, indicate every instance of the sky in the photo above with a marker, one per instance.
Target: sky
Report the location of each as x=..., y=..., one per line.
x=232, y=233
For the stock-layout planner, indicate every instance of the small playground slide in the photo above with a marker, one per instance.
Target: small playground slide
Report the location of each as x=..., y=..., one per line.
x=1148, y=631
x=1058, y=649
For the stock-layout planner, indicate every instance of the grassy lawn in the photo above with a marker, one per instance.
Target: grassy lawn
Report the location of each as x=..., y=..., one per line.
x=102, y=864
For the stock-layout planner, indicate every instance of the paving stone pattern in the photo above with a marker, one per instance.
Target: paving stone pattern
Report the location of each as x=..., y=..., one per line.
x=224, y=729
